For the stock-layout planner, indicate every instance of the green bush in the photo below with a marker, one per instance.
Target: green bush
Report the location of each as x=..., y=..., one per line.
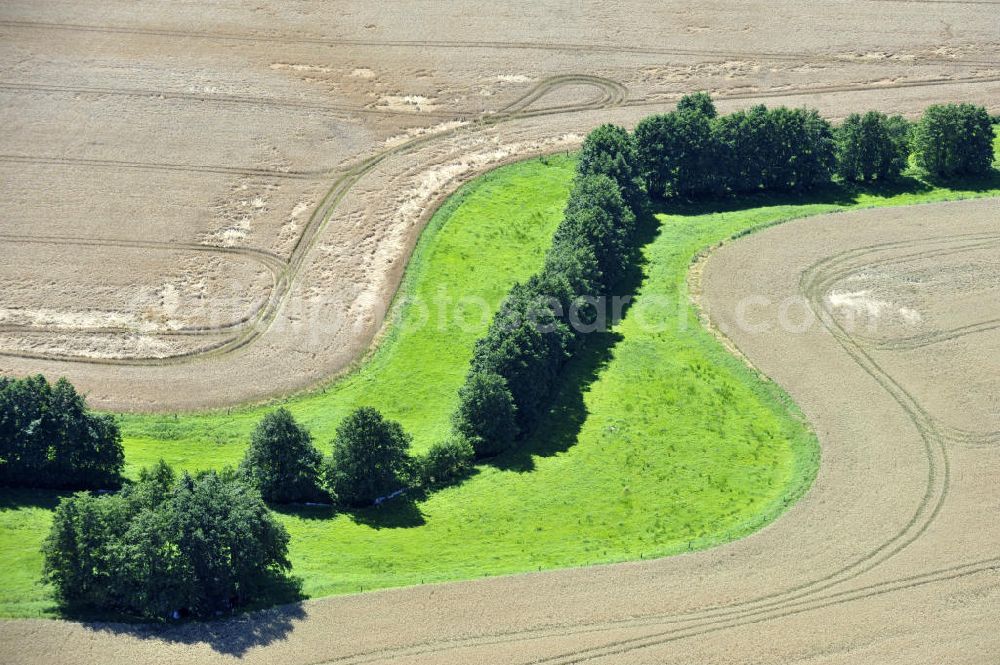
x=678, y=152
x=281, y=461
x=49, y=438
x=196, y=546
x=872, y=146
x=953, y=140
x=597, y=214
x=370, y=458
x=446, y=462
x=777, y=149
x=486, y=415
x=609, y=150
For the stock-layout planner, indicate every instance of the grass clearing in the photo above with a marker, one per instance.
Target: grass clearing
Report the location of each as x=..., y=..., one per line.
x=659, y=441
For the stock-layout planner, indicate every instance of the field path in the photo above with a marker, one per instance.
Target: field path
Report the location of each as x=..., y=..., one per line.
x=893, y=555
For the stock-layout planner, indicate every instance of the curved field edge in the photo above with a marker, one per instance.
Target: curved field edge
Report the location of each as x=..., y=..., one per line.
x=505, y=217
x=660, y=442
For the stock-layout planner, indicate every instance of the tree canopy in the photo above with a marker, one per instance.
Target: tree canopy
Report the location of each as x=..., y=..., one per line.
x=195, y=545
x=872, y=146
x=609, y=150
x=281, y=461
x=370, y=458
x=49, y=438
x=953, y=140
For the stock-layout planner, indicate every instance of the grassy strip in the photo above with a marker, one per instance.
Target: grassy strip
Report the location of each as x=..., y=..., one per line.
x=659, y=440
x=491, y=233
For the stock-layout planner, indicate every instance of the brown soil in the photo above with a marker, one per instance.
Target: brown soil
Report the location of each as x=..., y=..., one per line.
x=299, y=146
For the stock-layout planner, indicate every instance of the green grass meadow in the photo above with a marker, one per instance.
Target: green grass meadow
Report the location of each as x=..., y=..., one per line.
x=659, y=441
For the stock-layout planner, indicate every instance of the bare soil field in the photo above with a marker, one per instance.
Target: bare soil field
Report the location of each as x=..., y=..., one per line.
x=890, y=558
x=208, y=203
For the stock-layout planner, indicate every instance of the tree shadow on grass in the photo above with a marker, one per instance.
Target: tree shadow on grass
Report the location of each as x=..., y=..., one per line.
x=231, y=636
x=561, y=425
x=833, y=193
x=401, y=512
x=981, y=183
x=15, y=498
x=302, y=511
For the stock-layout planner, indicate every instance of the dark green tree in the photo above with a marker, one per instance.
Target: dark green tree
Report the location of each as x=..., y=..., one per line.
x=486, y=416
x=678, y=153
x=281, y=461
x=697, y=102
x=872, y=146
x=526, y=345
x=572, y=277
x=162, y=545
x=597, y=214
x=446, y=462
x=609, y=150
x=778, y=149
x=954, y=140
x=370, y=458
x=49, y=438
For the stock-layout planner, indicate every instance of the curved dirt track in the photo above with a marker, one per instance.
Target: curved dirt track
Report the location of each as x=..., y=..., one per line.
x=365, y=119
x=893, y=555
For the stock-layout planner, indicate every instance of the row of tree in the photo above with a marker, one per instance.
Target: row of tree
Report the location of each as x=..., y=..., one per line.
x=167, y=546
x=539, y=325
x=370, y=459
x=49, y=438
x=692, y=151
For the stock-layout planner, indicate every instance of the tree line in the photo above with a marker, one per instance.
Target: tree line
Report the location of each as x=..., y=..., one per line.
x=694, y=152
x=541, y=323
x=170, y=546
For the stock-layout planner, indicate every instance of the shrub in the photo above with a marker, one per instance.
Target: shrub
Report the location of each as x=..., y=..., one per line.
x=872, y=147
x=49, y=438
x=954, y=140
x=446, y=462
x=281, y=461
x=196, y=545
x=609, y=150
x=370, y=458
x=486, y=415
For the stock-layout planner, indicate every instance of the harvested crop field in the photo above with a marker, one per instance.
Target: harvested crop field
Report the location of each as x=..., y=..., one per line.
x=890, y=557
x=260, y=174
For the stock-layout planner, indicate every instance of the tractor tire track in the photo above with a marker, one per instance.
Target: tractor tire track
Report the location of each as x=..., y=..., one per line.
x=815, y=281
x=72, y=162
x=613, y=94
x=218, y=98
x=565, y=47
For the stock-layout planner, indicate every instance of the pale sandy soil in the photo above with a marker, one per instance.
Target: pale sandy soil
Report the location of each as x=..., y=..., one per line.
x=143, y=127
x=892, y=556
